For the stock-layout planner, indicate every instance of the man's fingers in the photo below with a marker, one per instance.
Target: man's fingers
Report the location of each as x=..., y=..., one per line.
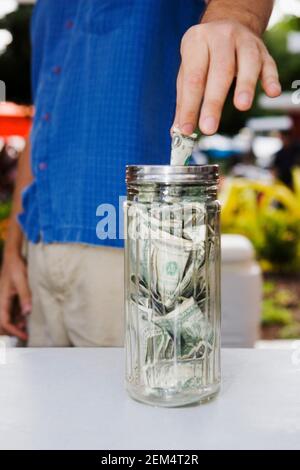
x=5, y=309
x=23, y=292
x=194, y=73
x=269, y=76
x=211, y=56
x=249, y=64
x=15, y=331
x=5, y=304
x=178, y=100
x=219, y=80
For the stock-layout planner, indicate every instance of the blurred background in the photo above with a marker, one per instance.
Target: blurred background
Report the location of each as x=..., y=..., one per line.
x=258, y=151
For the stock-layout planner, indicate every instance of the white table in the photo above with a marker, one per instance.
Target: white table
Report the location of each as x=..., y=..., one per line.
x=75, y=398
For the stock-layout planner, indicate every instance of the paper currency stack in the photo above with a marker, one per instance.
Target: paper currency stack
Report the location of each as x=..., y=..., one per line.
x=170, y=238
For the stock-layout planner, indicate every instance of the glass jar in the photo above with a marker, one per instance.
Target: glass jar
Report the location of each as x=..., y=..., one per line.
x=172, y=284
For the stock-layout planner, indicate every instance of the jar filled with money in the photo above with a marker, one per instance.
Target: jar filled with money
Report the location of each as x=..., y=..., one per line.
x=172, y=284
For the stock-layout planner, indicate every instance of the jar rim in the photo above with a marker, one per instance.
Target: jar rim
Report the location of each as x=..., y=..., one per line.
x=204, y=174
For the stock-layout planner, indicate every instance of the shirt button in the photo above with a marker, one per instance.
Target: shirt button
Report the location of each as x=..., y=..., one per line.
x=43, y=166
x=69, y=24
x=56, y=70
x=46, y=117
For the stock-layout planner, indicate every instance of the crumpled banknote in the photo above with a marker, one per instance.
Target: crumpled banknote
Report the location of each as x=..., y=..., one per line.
x=169, y=245
x=182, y=147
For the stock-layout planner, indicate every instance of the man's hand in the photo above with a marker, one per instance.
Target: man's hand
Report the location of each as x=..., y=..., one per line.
x=14, y=282
x=213, y=54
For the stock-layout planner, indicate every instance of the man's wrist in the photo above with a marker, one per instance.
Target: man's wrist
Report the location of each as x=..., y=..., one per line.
x=11, y=252
x=238, y=11
x=13, y=244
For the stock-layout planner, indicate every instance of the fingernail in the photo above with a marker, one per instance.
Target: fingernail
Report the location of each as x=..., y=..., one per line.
x=26, y=310
x=187, y=128
x=209, y=125
x=175, y=126
x=244, y=99
x=274, y=88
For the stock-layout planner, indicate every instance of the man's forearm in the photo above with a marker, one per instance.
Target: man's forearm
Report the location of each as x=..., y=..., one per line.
x=254, y=14
x=24, y=177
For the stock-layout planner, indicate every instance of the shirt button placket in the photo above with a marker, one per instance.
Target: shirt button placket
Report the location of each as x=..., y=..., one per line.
x=43, y=166
x=69, y=24
x=56, y=70
x=46, y=117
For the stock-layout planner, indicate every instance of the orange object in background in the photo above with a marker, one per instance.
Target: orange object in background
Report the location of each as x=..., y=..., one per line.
x=4, y=229
x=15, y=119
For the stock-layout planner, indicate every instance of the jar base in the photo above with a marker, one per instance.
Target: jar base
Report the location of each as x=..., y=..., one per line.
x=173, y=399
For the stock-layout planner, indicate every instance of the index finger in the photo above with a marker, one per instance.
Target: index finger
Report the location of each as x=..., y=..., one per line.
x=194, y=73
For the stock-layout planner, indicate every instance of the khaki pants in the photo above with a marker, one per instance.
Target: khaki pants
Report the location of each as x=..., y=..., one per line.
x=77, y=295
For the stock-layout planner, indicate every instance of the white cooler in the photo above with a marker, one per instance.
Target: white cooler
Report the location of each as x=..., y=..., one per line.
x=241, y=288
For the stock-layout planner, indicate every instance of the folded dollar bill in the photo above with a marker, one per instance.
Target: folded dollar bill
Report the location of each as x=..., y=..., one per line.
x=182, y=147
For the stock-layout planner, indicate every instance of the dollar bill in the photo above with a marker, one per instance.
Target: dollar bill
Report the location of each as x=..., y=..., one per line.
x=188, y=324
x=182, y=147
x=169, y=245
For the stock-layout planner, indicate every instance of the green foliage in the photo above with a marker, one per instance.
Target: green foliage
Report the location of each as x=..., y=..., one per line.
x=281, y=240
x=291, y=331
x=269, y=216
x=276, y=41
x=285, y=298
x=268, y=288
x=5, y=208
x=276, y=310
x=273, y=314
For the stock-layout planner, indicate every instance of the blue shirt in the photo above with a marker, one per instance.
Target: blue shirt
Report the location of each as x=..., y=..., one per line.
x=104, y=80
